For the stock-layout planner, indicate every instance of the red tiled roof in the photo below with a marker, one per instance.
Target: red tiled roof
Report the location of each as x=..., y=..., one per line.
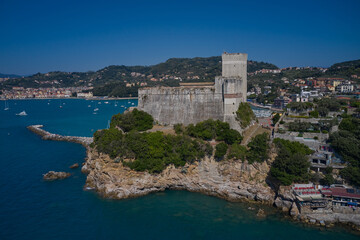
x=345, y=98
x=341, y=192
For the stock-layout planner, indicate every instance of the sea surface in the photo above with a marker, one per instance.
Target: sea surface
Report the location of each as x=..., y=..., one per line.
x=31, y=208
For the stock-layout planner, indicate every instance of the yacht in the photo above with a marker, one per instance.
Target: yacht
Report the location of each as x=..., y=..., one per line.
x=96, y=109
x=6, y=106
x=23, y=113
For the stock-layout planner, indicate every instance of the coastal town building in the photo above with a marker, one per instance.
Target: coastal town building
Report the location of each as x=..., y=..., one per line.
x=345, y=88
x=312, y=197
x=195, y=102
x=40, y=93
x=281, y=102
x=84, y=95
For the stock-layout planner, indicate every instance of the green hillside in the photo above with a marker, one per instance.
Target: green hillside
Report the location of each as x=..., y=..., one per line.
x=345, y=69
x=170, y=72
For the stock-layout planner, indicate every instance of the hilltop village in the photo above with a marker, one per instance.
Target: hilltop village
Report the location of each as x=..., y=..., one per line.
x=291, y=143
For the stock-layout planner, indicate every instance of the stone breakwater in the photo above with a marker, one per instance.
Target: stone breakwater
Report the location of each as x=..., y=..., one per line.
x=231, y=180
x=37, y=129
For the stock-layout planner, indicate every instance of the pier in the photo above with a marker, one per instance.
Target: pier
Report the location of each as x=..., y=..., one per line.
x=37, y=129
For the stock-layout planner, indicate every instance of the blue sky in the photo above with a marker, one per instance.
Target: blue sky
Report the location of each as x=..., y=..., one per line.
x=42, y=36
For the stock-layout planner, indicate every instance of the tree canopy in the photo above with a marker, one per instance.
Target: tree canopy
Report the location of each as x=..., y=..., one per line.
x=291, y=164
x=134, y=120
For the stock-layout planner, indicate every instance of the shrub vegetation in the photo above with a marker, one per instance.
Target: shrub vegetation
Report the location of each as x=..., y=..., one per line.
x=211, y=129
x=237, y=151
x=150, y=151
x=275, y=119
x=258, y=148
x=346, y=142
x=134, y=120
x=220, y=151
x=245, y=115
x=291, y=164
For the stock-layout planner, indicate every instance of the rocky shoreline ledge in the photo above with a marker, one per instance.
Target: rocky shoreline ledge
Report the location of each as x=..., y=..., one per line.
x=230, y=180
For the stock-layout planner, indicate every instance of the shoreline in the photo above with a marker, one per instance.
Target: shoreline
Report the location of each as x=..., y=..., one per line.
x=94, y=98
x=233, y=181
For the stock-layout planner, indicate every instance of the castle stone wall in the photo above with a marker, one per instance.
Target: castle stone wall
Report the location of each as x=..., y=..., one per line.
x=192, y=104
x=171, y=105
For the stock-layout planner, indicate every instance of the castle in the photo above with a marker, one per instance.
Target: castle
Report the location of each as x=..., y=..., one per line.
x=196, y=102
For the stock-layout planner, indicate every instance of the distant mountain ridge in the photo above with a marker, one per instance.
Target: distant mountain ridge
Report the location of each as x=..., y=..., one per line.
x=3, y=75
x=347, y=68
x=174, y=69
x=168, y=73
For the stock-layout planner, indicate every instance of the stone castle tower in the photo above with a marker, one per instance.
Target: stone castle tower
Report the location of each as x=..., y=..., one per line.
x=196, y=102
x=233, y=83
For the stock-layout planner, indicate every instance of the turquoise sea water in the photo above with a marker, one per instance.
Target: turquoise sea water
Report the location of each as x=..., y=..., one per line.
x=31, y=208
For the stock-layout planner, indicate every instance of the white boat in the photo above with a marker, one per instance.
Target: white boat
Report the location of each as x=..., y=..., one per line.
x=23, y=113
x=99, y=102
x=132, y=103
x=94, y=112
x=122, y=106
x=106, y=102
x=96, y=109
x=89, y=105
x=6, y=106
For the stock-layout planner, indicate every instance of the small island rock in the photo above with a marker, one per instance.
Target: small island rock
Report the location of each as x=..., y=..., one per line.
x=76, y=165
x=51, y=175
x=261, y=213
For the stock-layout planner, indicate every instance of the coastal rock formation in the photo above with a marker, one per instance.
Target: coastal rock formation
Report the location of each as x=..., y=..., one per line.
x=294, y=210
x=51, y=175
x=76, y=165
x=261, y=213
x=284, y=199
x=232, y=180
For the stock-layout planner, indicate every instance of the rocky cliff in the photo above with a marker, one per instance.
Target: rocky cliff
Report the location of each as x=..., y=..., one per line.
x=232, y=180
